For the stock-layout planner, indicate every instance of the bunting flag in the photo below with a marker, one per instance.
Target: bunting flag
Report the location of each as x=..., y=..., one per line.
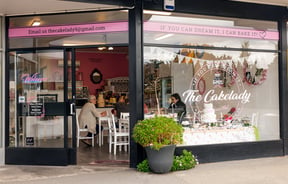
x=195, y=62
x=261, y=60
x=183, y=60
x=209, y=65
x=181, y=57
x=201, y=64
x=176, y=60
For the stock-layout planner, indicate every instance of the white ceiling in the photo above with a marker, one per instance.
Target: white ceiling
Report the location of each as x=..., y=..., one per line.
x=22, y=7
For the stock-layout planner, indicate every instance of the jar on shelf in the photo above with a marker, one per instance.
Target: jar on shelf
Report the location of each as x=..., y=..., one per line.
x=101, y=101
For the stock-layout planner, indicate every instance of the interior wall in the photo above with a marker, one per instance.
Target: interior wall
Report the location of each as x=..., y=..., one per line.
x=109, y=64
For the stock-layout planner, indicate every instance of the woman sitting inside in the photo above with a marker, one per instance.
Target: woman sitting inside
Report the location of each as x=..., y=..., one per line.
x=177, y=106
x=88, y=117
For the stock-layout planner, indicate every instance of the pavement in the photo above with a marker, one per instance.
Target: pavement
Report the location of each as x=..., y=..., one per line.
x=272, y=170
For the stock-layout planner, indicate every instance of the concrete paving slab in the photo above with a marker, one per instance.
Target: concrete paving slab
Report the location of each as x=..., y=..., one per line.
x=273, y=170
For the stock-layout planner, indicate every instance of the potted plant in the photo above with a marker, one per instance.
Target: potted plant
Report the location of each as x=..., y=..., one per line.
x=159, y=136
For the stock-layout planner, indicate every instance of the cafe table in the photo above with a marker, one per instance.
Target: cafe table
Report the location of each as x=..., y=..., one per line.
x=100, y=122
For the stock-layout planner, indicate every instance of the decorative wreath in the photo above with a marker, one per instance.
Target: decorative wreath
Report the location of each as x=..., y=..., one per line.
x=251, y=79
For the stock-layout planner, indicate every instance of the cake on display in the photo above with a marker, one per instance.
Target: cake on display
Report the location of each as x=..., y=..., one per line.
x=209, y=115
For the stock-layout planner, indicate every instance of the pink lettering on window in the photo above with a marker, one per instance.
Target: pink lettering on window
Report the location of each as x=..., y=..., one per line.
x=32, y=79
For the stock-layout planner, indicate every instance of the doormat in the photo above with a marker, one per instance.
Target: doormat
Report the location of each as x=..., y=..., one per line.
x=110, y=162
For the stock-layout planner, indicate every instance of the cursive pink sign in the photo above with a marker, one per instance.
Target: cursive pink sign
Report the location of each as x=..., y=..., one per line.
x=32, y=79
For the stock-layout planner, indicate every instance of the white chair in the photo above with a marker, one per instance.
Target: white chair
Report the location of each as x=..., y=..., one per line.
x=124, y=115
x=117, y=137
x=124, y=121
x=82, y=130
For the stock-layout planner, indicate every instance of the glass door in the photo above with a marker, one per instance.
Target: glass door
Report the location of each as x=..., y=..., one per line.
x=40, y=113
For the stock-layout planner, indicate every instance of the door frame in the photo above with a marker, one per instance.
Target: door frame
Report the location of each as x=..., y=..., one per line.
x=43, y=156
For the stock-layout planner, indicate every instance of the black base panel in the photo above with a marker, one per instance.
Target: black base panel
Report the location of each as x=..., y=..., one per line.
x=237, y=151
x=37, y=156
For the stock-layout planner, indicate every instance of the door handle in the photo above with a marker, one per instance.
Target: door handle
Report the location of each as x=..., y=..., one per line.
x=72, y=108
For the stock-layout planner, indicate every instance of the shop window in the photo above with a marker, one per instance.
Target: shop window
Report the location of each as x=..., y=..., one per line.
x=222, y=89
x=35, y=85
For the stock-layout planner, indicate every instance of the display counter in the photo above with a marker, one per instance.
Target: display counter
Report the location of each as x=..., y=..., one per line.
x=218, y=135
x=215, y=133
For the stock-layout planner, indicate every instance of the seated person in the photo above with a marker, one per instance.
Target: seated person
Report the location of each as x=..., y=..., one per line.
x=88, y=117
x=177, y=106
x=121, y=106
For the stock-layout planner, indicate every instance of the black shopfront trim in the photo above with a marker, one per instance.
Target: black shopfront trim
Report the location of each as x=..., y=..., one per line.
x=224, y=8
x=136, y=82
x=235, y=151
x=283, y=87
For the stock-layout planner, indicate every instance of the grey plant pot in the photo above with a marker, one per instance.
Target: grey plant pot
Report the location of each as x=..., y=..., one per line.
x=160, y=161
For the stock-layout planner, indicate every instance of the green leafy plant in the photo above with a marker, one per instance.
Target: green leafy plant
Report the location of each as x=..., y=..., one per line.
x=158, y=132
x=143, y=166
x=184, y=161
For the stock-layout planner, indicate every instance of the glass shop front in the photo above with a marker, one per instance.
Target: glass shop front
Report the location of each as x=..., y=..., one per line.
x=220, y=68
x=216, y=76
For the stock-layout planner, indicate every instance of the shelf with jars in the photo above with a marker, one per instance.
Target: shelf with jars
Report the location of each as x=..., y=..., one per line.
x=118, y=85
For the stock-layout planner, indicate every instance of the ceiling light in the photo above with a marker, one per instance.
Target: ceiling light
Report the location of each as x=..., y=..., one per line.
x=101, y=48
x=36, y=23
x=70, y=44
x=110, y=48
x=156, y=12
x=164, y=36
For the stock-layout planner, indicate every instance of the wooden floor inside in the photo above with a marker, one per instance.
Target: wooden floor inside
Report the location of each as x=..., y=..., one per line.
x=87, y=155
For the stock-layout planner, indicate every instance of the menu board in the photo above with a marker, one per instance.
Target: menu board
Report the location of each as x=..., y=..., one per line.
x=36, y=109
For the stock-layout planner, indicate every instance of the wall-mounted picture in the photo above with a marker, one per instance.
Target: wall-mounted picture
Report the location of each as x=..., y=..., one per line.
x=96, y=76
